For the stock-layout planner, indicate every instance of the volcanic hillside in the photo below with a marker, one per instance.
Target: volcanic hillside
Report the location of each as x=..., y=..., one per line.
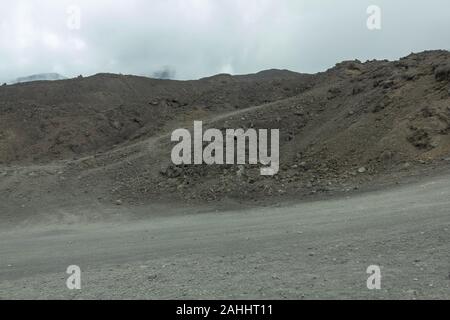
x=107, y=137
x=43, y=121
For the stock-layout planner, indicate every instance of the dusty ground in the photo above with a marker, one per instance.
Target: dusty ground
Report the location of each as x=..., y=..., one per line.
x=318, y=249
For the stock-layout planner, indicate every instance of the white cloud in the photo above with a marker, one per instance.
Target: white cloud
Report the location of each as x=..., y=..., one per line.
x=50, y=40
x=202, y=37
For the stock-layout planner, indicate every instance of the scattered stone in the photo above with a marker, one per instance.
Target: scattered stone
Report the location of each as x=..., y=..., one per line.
x=412, y=292
x=442, y=73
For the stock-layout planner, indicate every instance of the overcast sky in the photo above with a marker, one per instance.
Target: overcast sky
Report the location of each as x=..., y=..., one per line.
x=197, y=38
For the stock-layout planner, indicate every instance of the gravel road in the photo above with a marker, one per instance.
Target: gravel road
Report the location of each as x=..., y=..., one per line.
x=319, y=249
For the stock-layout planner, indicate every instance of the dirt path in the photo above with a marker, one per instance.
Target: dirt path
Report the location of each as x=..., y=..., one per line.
x=312, y=250
x=145, y=147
